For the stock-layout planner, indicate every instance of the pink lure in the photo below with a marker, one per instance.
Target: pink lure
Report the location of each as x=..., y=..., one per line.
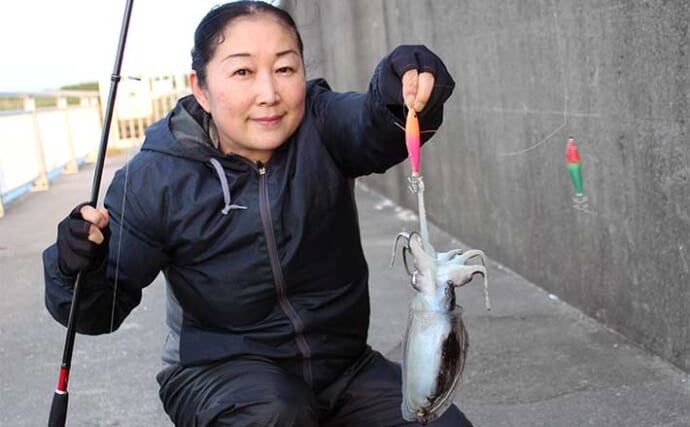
x=412, y=140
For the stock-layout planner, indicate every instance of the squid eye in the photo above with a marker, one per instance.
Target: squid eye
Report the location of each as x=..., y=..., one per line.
x=450, y=295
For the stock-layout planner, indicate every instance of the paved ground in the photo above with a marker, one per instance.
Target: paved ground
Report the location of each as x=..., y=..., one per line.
x=533, y=360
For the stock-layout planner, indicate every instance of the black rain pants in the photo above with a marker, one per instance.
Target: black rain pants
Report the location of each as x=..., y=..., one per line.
x=253, y=392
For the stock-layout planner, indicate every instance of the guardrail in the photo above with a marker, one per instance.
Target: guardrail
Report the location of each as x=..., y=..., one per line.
x=39, y=143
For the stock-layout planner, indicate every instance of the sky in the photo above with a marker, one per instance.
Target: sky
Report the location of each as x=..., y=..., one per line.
x=46, y=44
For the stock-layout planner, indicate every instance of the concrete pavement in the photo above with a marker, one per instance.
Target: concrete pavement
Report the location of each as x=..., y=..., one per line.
x=533, y=360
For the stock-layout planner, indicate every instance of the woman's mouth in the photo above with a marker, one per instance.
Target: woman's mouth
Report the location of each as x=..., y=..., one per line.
x=267, y=120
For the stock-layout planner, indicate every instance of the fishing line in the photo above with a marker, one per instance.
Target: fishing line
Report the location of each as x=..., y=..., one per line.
x=108, y=359
x=562, y=61
x=119, y=245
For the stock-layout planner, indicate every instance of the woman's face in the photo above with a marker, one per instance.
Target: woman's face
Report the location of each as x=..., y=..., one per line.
x=255, y=87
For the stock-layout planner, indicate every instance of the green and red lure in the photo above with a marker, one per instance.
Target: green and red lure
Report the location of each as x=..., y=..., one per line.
x=572, y=157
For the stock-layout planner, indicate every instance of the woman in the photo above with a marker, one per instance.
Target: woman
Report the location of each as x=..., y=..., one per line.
x=243, y=197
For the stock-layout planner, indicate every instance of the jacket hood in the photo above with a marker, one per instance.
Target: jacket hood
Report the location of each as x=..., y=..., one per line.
x=184, y=132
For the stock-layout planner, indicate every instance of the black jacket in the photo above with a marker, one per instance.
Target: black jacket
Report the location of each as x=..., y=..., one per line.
x=259, y=260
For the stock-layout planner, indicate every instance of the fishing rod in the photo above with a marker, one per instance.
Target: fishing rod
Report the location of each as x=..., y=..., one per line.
x=58, y=408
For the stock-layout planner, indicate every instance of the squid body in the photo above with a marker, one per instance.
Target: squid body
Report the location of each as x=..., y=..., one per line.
x=436, y=341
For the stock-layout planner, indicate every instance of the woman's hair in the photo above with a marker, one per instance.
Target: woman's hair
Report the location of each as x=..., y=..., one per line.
x=209, y=32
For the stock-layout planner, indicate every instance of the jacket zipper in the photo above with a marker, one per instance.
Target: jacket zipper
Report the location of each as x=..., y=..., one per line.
x=285, y=305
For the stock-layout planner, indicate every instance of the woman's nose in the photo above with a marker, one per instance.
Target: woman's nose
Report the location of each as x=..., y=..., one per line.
x=266, y=89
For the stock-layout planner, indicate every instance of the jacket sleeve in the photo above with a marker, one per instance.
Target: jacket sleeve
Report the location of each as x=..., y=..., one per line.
x=365, y=132
x=134, y=261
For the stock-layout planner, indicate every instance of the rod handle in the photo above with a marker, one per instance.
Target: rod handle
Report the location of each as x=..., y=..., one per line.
x=58, y=409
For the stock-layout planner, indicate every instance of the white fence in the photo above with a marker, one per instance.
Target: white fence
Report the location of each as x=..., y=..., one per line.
x=39, y=144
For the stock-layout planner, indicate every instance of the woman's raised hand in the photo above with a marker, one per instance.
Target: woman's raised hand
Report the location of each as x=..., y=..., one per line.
x=417, y=88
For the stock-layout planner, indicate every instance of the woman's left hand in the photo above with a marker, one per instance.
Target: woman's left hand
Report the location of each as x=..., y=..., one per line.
x=416, y=89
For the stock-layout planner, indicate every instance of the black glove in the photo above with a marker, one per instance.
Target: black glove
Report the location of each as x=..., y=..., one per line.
x=414, y=57
x=420, y=58
x=75, y=251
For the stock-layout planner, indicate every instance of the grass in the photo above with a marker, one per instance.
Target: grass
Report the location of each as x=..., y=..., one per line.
x=17, y=103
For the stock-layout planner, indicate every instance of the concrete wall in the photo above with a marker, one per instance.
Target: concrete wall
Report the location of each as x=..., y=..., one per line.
x=611, y=73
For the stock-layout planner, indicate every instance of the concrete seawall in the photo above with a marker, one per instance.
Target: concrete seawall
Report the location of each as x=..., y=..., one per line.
x=612, y=74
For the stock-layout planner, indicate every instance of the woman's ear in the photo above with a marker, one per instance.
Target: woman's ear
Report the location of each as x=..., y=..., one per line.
x=199, y=92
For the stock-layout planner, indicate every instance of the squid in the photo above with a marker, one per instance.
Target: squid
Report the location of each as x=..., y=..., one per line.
x=436, y=340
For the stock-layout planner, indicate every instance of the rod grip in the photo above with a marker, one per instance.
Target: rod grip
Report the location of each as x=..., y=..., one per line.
x=58, y=410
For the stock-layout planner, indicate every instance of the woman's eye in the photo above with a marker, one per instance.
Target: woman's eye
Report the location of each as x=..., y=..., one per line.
x=285, y=70
x=241, y=72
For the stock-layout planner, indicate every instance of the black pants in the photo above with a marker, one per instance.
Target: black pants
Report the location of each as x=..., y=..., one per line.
x=258, y=393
